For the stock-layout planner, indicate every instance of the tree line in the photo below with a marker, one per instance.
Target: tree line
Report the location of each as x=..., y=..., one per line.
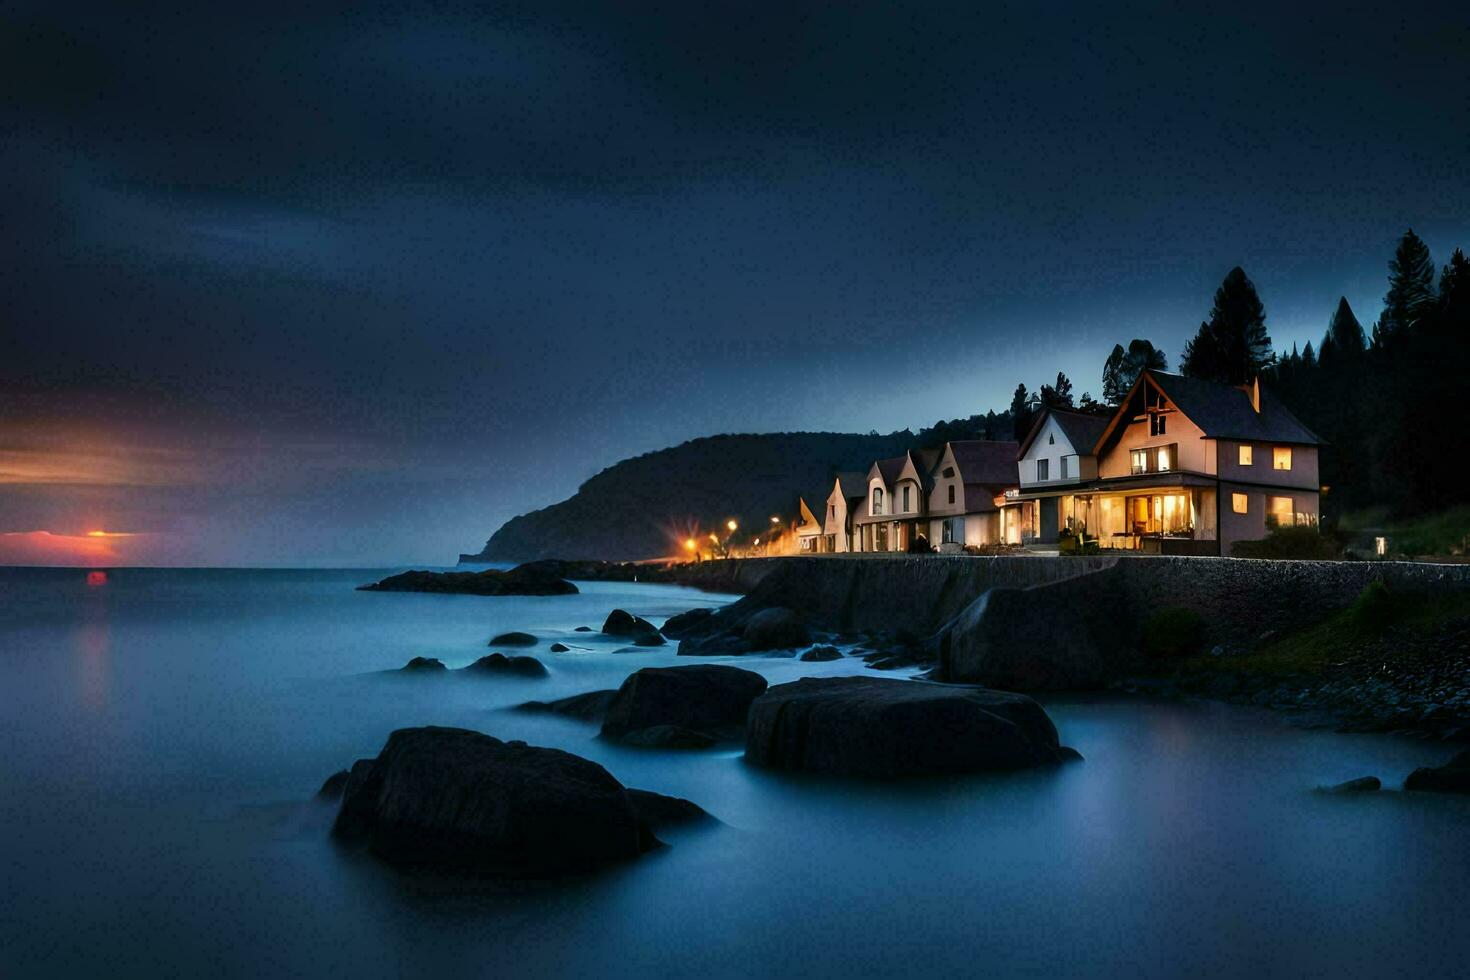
x=1382, y=399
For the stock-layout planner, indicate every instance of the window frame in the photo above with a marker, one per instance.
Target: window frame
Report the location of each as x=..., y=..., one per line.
x=1043, y=470
x=877, y=502
x=1245, y=455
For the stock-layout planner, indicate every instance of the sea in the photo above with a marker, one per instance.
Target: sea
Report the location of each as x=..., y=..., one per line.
x=163, y=734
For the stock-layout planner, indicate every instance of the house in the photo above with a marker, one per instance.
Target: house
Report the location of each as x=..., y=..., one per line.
x=843, y=504
x=810, y=525
x=1184, y=466
x=968, y=479
x=893, y=513
x=1056, y=456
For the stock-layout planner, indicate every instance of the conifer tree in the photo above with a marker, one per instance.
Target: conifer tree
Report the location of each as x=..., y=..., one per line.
x=1344, y=331
x=1232, y=346
x=1410, y=297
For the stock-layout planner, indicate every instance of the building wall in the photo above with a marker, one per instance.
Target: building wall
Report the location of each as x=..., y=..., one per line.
x=1051, y=444
x=1194, y=452
x=916, y=499
x=1303, y=473
x=939, y=495
x=1251, y=525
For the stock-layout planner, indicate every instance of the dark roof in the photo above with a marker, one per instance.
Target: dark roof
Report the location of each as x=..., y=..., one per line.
x=1225, y=412
x=1081, y=429
x=852, y=484
x=980, y=497
x=889, y=469
x=985, y=461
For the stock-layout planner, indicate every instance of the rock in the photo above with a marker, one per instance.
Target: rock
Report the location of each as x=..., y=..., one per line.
x=729, y=644
x=620, y=622
x=458, y=799
x=884, y=728
x=521, y=580
x=659, y=811
x=559, y=648
x=707, y=698
x=1005, y=640
x=513, y=639
x=668, y=737
x=1069, y=754
x=777, y=628
x=649, y=640
x=582, y=629
x=499, y=663
x=821, y=653
x=423, y=665
x=1363, y=784
x=1452, y=777
x=676, y=626
x=333, y=787
x=591, y=706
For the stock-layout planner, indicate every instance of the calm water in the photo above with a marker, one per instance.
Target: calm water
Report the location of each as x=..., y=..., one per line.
x=163, y=735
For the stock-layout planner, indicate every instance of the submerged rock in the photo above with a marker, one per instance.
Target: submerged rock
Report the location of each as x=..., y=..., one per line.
x=777, y=628
x=462, y=800
x=559, y=648
x=521, y=580
x=423, y=665
x=513, y=639
x=659, y=811
x=822, y=653
x=1363, y=784
x=591, y=706
x=710, y=699
x=620, y=622
x=499, y=663
x=678, y=625
x=884, y=728
x=1452, y=777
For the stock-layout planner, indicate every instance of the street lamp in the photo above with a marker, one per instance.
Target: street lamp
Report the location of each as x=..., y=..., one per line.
x=731, y=525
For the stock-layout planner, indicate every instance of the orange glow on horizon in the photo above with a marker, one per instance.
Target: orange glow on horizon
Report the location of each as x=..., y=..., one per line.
x=91, y=548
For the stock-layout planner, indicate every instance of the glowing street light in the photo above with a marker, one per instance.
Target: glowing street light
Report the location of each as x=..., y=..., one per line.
x=731, y=525
x=688, y=544
x=775, y=519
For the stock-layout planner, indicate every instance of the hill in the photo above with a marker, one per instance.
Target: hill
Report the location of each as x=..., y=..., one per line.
x=644, y=506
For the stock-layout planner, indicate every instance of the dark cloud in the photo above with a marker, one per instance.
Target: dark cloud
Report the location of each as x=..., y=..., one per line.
x=478, y=254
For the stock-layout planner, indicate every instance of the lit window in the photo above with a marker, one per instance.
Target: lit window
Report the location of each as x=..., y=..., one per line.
x=877, y=500
x=1163, y=457
x=1245, y=455
x=1279, y=511
x=1281, y=458
x=1237, y=502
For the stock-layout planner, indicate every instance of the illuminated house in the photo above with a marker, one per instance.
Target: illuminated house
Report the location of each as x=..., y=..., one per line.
x=966, y=482
x=1184, y=466
x=810, y=526
x=893, y=512
x=843, y=504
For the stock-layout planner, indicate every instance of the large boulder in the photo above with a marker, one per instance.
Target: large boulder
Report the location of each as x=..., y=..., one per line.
x=620, y=622
x=885, y=728
x=821, y=653
x=423, y=665
x=678, y=625
x=777, y=628
x=1033, y=640
x=711, y=699
x=462, y=800
x=1452, y=777
x=499, y=663
x=668, y=737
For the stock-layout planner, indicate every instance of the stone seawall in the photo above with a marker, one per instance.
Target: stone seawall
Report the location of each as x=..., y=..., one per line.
x=1033, y=623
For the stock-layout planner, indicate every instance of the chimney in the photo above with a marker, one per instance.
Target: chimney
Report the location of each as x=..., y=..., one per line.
x=1255, y=394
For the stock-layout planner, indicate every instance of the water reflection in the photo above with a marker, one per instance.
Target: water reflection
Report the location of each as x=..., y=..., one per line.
x=92, y=641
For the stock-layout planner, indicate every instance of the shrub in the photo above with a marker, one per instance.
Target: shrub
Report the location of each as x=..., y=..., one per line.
x=1172, y=632
x=1291, y=541
x=1374, y=608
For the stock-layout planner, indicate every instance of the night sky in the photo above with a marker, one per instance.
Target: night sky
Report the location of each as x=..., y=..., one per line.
x=328, y=286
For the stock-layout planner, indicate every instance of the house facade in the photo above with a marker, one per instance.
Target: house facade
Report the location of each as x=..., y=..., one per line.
x=843, y=504
x=1184, y=466
x=810, y=532
x=893, y=515
x=965, y=484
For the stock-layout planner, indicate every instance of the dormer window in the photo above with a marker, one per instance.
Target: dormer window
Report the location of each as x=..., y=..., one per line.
x=877, y=500
x=1157, y=424
x=905, y=501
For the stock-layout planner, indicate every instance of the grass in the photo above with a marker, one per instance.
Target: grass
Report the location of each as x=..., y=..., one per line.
x=1327, y=644
x=1444, y=533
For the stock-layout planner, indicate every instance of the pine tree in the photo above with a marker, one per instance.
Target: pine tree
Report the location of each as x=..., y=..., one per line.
x=1454, y=288
x=1309, y=359
x=1201, y=355
x=1020, y=413
x=1113, y=388
x=1410, y=297
x=1058, y=395
x=1344, y=330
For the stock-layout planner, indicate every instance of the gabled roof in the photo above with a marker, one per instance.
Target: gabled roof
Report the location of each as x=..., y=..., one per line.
x=854, y=485
x=1081, y=429
x=1220, y=411
x=817, y=513
x=888, y=470
x=985, y=461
